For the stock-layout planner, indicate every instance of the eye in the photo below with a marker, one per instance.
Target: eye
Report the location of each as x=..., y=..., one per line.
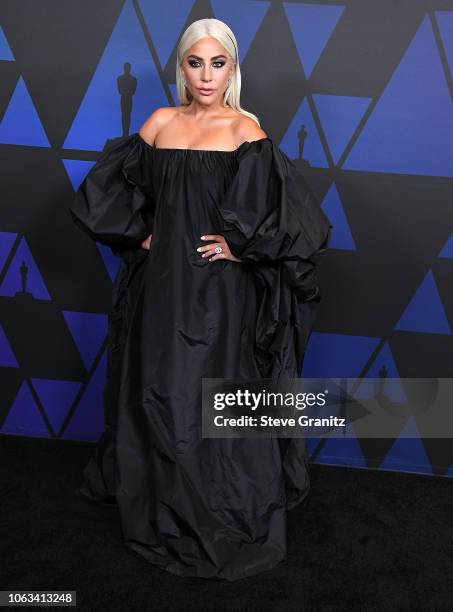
x=195, y=63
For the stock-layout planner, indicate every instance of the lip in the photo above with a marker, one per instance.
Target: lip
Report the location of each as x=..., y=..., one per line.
x=205, y=92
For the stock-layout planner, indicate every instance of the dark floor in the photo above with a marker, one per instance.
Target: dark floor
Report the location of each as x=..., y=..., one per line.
x=365, y=540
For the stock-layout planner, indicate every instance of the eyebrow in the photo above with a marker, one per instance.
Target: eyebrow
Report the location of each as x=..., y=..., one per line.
x=200, y=58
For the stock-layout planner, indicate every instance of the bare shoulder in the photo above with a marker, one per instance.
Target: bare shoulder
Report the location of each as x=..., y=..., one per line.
x=247, y=130
x=149, y=129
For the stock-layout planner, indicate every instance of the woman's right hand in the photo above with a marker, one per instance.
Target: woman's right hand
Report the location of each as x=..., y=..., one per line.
x=147, y=242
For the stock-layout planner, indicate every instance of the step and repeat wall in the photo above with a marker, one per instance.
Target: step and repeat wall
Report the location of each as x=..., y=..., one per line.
x=357, y=92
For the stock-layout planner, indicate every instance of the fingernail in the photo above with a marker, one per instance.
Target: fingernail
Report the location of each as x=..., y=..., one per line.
x=199, y=248
x=202, y=237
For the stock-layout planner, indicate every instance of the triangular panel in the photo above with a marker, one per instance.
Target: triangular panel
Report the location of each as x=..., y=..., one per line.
x=100, y=114
x=411, y=128
x=425, y=312
x=312, y=26
x=23, y=269
x=89, y=330
x=21, y=124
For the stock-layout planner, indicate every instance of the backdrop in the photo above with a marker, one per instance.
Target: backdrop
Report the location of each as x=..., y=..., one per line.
x=357, y=92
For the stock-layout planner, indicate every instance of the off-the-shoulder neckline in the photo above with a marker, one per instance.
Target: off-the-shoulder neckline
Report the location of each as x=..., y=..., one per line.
x=200, y=150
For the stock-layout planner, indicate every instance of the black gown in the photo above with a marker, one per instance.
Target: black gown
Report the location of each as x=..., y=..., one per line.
x=200, y=507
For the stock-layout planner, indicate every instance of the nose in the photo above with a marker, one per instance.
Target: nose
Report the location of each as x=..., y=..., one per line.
x=206, y=74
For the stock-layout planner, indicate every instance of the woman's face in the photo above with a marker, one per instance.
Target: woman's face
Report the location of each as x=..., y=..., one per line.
x=207, y=67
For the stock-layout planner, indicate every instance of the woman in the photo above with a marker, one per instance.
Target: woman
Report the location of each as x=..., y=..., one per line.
x=219, y=237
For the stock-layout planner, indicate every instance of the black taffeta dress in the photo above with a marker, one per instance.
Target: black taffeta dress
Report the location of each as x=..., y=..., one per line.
x=200, y=507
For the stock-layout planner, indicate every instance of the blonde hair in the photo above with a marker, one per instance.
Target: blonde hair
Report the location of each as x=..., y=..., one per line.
x=221, y=32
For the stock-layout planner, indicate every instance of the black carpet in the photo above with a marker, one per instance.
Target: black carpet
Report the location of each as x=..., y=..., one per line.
x=364, y=540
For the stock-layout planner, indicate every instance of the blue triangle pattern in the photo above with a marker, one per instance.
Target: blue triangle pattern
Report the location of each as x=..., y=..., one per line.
x=12, y=283
x=99, y=117
x=312, y=26
x=5, y=52
x=24, y=417
x=340, y=116
x=77, y=170
x=396, y=137
x=244, y=23
x=165, y=26
x=21, y=124
x=407, y=452
x=337, y=355
x=341, y=233
x=383, y=368
x=89, y=331
x=313, y=151
x=87, y=422
x=445, y=22
x=6, y=244
x=447, y=249
x=7, y=357
x=425, y=312
x=111, y=261
x=56, y=397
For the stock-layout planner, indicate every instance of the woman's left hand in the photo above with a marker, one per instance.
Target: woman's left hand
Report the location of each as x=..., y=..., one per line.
x=208, y=250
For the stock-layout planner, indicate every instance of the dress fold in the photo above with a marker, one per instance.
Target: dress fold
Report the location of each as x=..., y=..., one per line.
x=272, y=219
x=114, y=204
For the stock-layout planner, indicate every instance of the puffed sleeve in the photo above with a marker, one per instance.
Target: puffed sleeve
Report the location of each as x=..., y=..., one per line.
x=114, y=203
x=273, y=222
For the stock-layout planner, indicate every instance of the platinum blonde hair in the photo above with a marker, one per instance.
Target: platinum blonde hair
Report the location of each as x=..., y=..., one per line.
x=221, y=32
